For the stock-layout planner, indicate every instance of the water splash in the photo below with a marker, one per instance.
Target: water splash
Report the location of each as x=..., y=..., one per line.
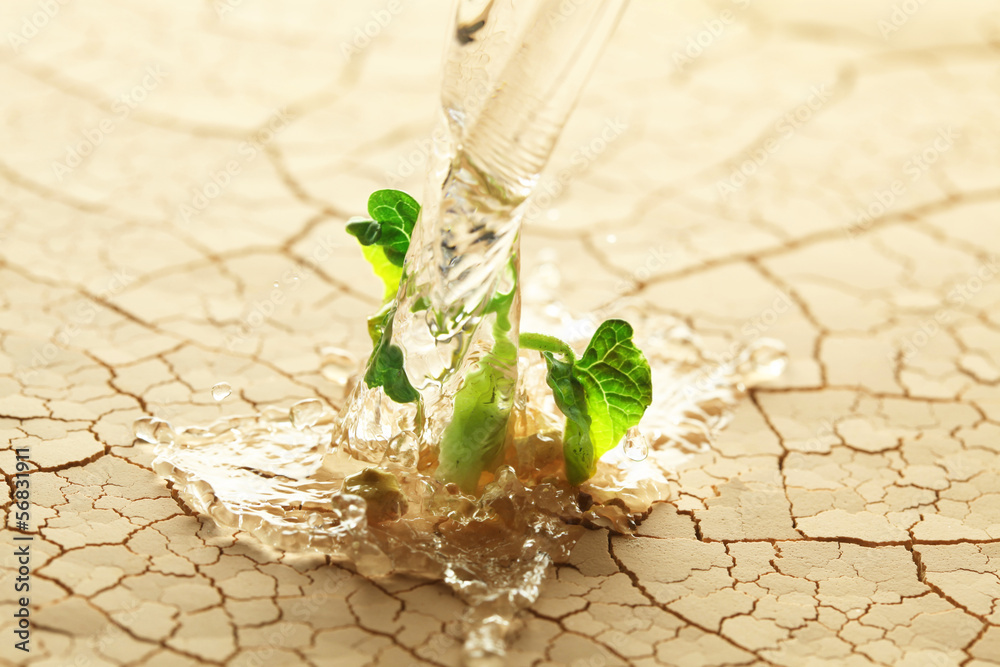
x=281, y=476
x=635, y=445
x=337, y=365
x=512, y=73
x=153, y=430
x=305, y=414
x=359, y=485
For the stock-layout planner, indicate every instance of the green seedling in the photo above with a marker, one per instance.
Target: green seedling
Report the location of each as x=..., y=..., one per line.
x=603, y=393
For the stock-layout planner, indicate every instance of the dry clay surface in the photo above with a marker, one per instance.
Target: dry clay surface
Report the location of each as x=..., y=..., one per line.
x=174, y=183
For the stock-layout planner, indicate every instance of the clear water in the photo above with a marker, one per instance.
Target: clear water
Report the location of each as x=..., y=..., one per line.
x=279, y=474
x=357, y=481
x=221, y=391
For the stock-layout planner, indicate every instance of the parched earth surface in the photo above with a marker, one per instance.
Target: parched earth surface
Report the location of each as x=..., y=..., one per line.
x=174, y=181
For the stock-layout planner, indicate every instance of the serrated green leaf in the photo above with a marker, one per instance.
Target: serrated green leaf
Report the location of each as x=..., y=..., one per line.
x=617, y=386
x=396, y=212
x=386, y=237
x=603, y=394
x=384, y=241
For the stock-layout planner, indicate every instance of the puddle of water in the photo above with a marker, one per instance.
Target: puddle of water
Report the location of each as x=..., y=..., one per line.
x=280, y=475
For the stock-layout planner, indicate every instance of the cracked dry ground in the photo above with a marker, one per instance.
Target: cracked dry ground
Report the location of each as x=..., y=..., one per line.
x=850, y=515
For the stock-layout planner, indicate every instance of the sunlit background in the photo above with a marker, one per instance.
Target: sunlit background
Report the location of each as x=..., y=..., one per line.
x=174, y=179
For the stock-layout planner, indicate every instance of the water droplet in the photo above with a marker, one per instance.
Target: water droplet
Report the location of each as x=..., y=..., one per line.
x=275, y=283
x=403, y=451
x=505, y=477
x=153, y=430
x=143, y=429
x=164, y=433
x=305, y=413
x=635, y=445
x=350, y=509
x=763, y=360
x=336, y=365
x=221, y=391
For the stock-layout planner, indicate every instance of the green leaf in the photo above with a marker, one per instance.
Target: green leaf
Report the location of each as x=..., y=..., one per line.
x=385, y=368
x=475, y=435
x=618, y=387
x=386, y=237
x=474, y=438
x=603, y=394
x=384, y=240
x=396, y=212
x=367, y=232
x=389, y=273
x=378, y=322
